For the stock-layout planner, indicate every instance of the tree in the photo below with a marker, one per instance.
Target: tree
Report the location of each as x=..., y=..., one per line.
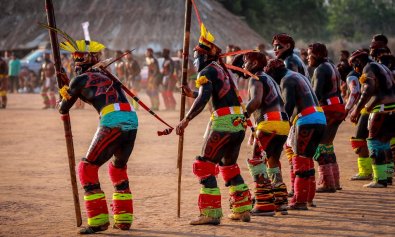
x=303, y=19
x=357, y=20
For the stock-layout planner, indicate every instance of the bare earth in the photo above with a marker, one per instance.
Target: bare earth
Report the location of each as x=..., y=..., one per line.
x=36, y=199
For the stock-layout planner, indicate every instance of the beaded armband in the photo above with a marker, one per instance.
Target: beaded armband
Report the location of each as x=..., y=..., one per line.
x=63, y=92
x=200, y=81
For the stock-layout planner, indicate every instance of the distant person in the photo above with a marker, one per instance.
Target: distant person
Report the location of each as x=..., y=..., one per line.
x=3, y=83
x=48, y=80
x=154, y=78
x=120, y=69
x=229, y=48
x=303, y=56
x=262, y=49
x=23, y=80
x=191, y=76
x=133, y=76
x=168, y=80
x=344, y=69
x=14, y=67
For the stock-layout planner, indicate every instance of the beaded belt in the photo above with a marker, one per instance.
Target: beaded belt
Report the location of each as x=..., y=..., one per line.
x=275, y=116
x=227, y=110
x=309, y=110
x=116, y=107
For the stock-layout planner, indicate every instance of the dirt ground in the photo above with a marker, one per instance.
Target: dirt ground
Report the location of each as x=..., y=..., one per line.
x=36, y=198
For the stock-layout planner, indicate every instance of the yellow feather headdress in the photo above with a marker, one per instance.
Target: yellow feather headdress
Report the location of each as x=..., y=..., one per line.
x=71, y=45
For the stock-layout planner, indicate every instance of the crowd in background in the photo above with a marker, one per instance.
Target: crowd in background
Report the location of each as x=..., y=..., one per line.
x=157, y=73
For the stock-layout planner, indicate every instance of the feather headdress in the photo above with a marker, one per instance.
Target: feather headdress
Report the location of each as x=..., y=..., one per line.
x=71, y=45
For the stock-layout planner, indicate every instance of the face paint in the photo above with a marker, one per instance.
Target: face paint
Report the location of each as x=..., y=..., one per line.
x=83, y=61
x=200, y=61
x=277, y=47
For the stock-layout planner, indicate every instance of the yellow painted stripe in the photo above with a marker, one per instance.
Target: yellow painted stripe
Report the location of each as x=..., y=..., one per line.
x=122, y=196
x=94, y=196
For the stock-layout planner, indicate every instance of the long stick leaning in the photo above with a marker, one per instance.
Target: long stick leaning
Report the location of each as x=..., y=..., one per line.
x=65, y=117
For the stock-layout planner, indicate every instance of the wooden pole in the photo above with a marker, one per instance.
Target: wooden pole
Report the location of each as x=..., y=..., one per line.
x=65, y=117
x=187, y=29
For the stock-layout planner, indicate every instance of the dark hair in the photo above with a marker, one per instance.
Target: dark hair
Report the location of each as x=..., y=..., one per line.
x=319, y=50
x=284, y=39
x=259, y=57
x=381, y=38
x=345, y=52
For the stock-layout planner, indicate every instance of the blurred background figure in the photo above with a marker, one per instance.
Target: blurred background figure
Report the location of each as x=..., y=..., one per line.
x=14, y=67
x=3, y=83
x=168, y=80
x=191, y=76
x=48, y=82
x=154, y=78
x=344, y=69
x=133, y=70
x=120, y=69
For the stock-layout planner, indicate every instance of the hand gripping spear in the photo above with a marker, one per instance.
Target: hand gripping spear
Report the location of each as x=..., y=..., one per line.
x=65, y=117
x=187, y=27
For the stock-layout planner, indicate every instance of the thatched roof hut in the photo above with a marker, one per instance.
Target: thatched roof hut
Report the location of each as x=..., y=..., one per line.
x=122, y=24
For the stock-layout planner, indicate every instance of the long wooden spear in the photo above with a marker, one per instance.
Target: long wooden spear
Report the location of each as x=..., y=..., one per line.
x=65, y=117
x=187, y=30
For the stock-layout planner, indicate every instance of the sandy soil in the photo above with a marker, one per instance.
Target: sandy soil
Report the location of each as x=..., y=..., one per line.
x=36, y=199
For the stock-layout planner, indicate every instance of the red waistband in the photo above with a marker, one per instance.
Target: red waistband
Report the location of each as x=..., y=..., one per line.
x=228, y=110
x=333, y=100
x=275, y=116
x=310, y=110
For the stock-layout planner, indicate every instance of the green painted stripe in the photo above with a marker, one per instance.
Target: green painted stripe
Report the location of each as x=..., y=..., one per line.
x=98, y=220
x=122, y=196
x=211, y=191
x=94, y=196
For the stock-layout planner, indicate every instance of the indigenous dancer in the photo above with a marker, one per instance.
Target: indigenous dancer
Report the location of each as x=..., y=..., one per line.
x=378, y=97
x=115, y=136
x=3, y=83
x=154, y=78
x=358, y=142
x=306, y=132
x=224, y=138
x=273, y=127
x=48, y=80
x=326, y=85
x=283, y=46
x=380, y=52
x=168, y=81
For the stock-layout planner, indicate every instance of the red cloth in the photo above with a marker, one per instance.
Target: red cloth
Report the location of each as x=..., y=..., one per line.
x=96, y=207
x=204, y=169
x=209, y=201
x=88, y=173
x=122, y=206
x=229, y=172
x=117, y=175
x=358, y=143
x=312, y=183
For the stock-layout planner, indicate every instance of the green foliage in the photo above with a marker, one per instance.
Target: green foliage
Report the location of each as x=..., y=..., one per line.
x=314, y=20
x=357, y=20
